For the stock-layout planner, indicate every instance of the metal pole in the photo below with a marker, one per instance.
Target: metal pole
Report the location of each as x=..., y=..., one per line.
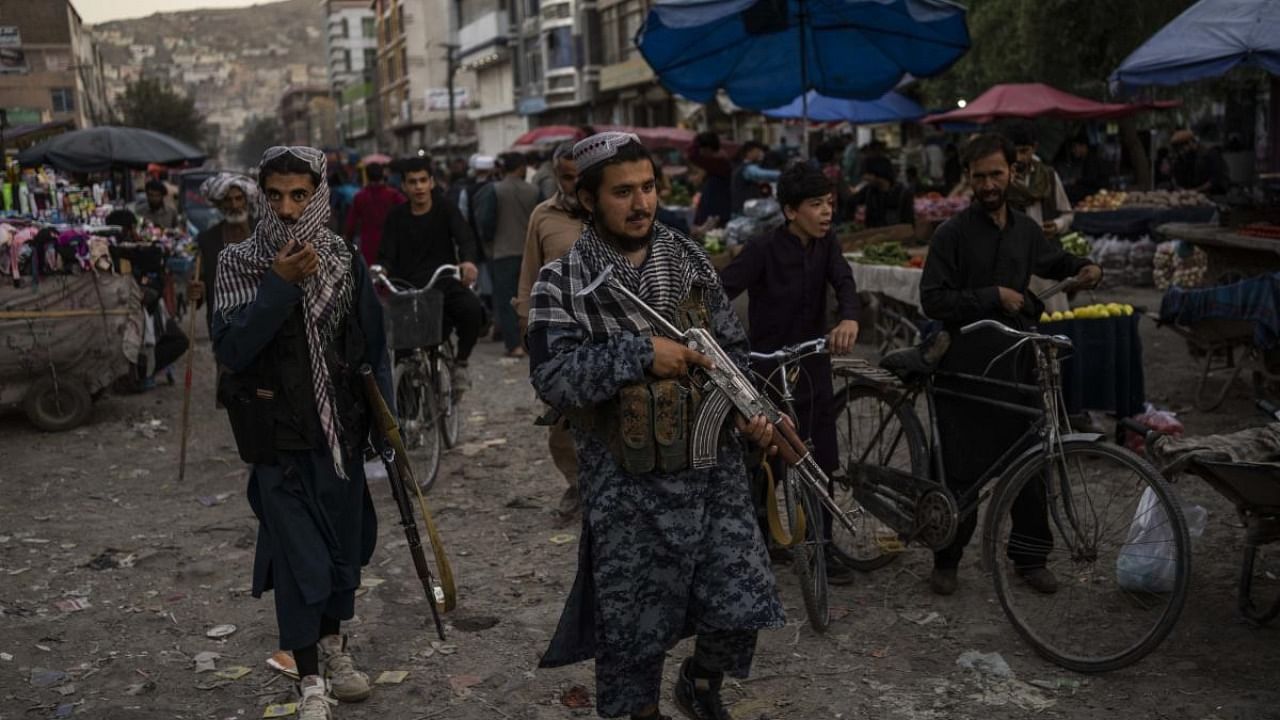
x=452, y=66
x=804, y=82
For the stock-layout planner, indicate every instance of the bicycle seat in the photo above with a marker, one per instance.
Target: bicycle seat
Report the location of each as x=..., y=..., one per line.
x=918, y=361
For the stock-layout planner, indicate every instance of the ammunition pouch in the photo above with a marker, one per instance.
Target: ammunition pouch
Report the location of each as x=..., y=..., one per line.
x=251, y=407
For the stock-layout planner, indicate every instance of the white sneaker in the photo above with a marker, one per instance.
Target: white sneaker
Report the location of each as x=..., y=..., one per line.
x=316, y=703
x=348, y=683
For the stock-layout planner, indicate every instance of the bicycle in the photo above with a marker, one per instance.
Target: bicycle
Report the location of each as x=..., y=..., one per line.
x=1095, y=492
x=799, y=499
x=422, y=378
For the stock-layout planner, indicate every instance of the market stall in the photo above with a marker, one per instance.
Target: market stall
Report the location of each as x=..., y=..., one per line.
x=1230, y=251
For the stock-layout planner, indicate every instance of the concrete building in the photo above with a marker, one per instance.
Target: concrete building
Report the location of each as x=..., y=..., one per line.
x=627, y=92
x=414, y=39
x=486, y=46
x=352, y=46
x=558, y=62
x=50, y=68
x=309, y=116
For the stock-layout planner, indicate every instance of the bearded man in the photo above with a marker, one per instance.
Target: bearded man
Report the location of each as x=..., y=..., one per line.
x=295, y=319
x=239, y=201
x=980, y=265
x=554, y=227
x=666, y=550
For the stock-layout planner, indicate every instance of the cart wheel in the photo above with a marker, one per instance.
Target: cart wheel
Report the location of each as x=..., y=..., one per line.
x=54, y=407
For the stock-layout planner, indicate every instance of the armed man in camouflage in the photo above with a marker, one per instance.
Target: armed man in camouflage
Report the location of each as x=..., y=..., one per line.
x=667, y=551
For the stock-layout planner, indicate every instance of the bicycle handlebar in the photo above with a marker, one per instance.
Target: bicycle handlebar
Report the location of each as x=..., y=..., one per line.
x=1059, y=340
x=379, y=274
x=791, y=353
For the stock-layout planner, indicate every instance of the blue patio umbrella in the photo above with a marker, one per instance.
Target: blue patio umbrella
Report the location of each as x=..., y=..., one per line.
x=767, y=53
x=1206, y=40
x=891, y=107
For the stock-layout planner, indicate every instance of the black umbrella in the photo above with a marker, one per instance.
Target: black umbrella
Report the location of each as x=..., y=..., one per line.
x=108, y=147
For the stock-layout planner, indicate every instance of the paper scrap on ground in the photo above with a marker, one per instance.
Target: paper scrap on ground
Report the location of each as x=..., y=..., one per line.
x=391, y=677
x=278, y=710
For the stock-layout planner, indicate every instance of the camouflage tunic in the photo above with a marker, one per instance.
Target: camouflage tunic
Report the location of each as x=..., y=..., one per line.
x=663, y=555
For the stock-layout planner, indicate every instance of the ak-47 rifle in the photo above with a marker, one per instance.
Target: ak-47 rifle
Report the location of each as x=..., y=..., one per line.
x=727, y=388
x=400, y=473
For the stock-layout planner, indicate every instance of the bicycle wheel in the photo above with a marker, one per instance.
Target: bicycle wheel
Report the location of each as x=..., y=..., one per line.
x=1119, y=548
x=868, y=425
x=451, y=417
x=808, y=559
x=417, y=416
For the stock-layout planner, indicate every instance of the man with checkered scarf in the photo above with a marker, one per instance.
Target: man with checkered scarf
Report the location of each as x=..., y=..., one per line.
x=667, y=550
x=295, y=319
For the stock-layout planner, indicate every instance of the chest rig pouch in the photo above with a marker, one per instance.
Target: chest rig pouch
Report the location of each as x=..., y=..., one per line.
x=647, y=427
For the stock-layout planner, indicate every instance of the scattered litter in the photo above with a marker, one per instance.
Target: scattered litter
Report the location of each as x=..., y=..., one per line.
x=205, y=660
x=282, y=662
x=232, y=673
x=45, y=648
x=212, y=500
x=1057, y=684
x=220, y=631
x=139, y=473
x=563, y=538
x=68, y=689
x=70, y=605
x=474, y=448
x=462, y=684
x=440, y=647
x=64, y=710
x=494, y=442
x=369, y=581
x=929, y=619
x=576, y=697
x=5, y=538
x=391, y=677
x=1003, y=692
x=19, y=571
x=985, y=663
x=141, y=688
x=36, y=541
x=279, y=710
x=110, y=559
x=150, y=428
x=880, y=652
x=6, y=657
x=475, y=623
x=44, y=677
x=477, y=418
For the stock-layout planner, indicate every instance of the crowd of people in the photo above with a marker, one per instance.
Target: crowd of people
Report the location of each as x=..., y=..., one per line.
x=667, y=550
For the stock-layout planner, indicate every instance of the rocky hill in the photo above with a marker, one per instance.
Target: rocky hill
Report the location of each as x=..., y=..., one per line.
x=235, y=63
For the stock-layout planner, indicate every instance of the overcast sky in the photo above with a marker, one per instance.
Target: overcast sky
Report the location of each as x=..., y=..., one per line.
x=97, y=11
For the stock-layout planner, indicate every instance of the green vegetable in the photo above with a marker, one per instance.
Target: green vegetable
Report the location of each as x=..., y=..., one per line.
x=885, y=253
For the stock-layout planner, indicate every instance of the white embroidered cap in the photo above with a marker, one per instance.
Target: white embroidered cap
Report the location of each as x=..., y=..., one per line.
x=600, y=147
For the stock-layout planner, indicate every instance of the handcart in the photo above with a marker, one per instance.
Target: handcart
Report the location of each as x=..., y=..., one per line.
x=1244, y=467
x=64, y=341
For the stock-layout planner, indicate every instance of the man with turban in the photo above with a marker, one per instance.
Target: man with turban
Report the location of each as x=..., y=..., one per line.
x=237, y=197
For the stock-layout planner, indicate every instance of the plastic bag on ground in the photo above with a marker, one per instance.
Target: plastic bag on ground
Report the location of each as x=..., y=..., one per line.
x=1148, y=560
x=1162, y=421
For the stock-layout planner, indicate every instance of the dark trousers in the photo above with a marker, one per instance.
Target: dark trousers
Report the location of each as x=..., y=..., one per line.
x=464, y=315
x=975, y=435
x=505, y=273
x=632, y=685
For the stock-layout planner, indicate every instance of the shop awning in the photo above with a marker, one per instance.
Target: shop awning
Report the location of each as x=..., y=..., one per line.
x=1207, y=40
x=1037, y=100
x=891, y=107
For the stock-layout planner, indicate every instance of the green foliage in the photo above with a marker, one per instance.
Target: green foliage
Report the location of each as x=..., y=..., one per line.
x=149, y=103
x=259, y=134
x=1072, y=45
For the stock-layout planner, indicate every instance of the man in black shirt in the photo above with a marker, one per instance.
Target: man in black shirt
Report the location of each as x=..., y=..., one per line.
x=980, y=263
x=888, y=202
x=421, y=235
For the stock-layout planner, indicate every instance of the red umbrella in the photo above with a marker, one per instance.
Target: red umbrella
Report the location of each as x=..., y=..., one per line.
x=1035, y=100
x=375, y=158
x=550, y=135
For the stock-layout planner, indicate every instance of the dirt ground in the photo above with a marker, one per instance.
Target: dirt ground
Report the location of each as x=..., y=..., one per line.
x=120, y=642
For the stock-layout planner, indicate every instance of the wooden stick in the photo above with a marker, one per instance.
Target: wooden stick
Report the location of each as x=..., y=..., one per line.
x=52, y=314
x=186, y=383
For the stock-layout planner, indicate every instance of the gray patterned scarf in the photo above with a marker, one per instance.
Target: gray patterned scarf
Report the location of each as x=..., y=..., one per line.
x=326, y=297
x=675, y=263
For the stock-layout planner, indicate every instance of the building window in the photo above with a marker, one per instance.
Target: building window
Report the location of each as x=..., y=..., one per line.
x=346, y=28
x=533, y=61
x=370, y=58
x=632, y=19
x=367, y=28
x=610, y=31
x=531, y=8
x=64, y=100
x=346, y=60
x=404, y=61
x=560, y=48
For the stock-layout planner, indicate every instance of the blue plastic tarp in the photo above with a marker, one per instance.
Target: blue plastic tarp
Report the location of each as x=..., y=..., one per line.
x=857, y=49
x=891, y=107
x=1208, y=39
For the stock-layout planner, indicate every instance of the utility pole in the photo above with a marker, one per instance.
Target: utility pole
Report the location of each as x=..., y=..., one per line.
x=451, y=60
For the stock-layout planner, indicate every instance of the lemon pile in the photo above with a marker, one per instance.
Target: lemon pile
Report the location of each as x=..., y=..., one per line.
x=1089, y=312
